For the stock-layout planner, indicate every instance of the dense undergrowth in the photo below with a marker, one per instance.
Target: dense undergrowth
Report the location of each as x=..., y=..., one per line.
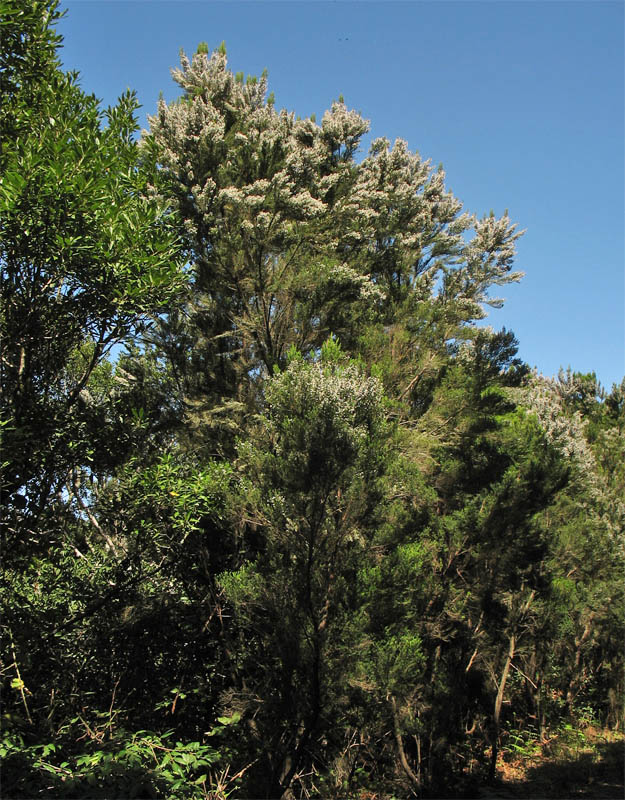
x=576, y=760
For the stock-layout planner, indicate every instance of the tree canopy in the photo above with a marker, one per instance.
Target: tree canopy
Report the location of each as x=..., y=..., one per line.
x=280, y=516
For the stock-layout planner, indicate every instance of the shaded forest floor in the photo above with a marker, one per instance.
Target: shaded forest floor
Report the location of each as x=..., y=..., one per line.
x=588, y=764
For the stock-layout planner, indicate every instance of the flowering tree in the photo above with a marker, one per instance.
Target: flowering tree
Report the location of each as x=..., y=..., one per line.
x=291, y=239
x=310, y=483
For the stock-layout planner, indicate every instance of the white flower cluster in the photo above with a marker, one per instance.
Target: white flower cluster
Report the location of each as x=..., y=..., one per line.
x=401, y=208
x=545, y=397
x=342, y=129
x=345, y=276
x=340, y=396
x=489, y=256
x=565, y=431
x=256, y=187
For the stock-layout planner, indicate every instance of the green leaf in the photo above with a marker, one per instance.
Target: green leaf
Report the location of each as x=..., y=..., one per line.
x=233, y=719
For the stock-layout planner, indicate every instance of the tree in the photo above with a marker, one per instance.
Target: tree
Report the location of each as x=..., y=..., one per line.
x=290, y=239
x=86, y=259
x=311, y=472
x=457, y=593
x=85, y=255
x=586, y=527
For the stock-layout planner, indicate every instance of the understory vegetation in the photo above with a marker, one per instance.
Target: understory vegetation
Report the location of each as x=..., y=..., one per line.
x=281, y=518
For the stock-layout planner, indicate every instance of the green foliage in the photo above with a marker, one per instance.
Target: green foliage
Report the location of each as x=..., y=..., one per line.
x=311, y=471
x=396, y=661
x=85, y=254
x=313, y=532
x=522, y=744
x=129, y=764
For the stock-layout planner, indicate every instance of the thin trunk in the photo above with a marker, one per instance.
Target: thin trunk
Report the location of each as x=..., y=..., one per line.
x=498, y=703
x=400, y=748
x=94, y=522
x=572, y=689
x=418, y=743
x=534, y=689
x=293, y=759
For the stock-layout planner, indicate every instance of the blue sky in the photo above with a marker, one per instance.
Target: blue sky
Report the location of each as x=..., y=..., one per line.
x=522, y=102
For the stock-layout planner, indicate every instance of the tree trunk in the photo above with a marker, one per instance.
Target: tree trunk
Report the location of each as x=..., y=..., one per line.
x=498, y=703
x=572, y=690
x=414, y=780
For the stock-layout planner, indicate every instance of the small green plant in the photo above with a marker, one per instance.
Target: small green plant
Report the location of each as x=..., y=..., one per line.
x=522, y=743
x=128, y=765
x=587, y=715
x=572, y=736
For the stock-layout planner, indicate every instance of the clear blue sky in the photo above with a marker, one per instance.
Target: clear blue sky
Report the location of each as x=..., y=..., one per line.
x=522, y=102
